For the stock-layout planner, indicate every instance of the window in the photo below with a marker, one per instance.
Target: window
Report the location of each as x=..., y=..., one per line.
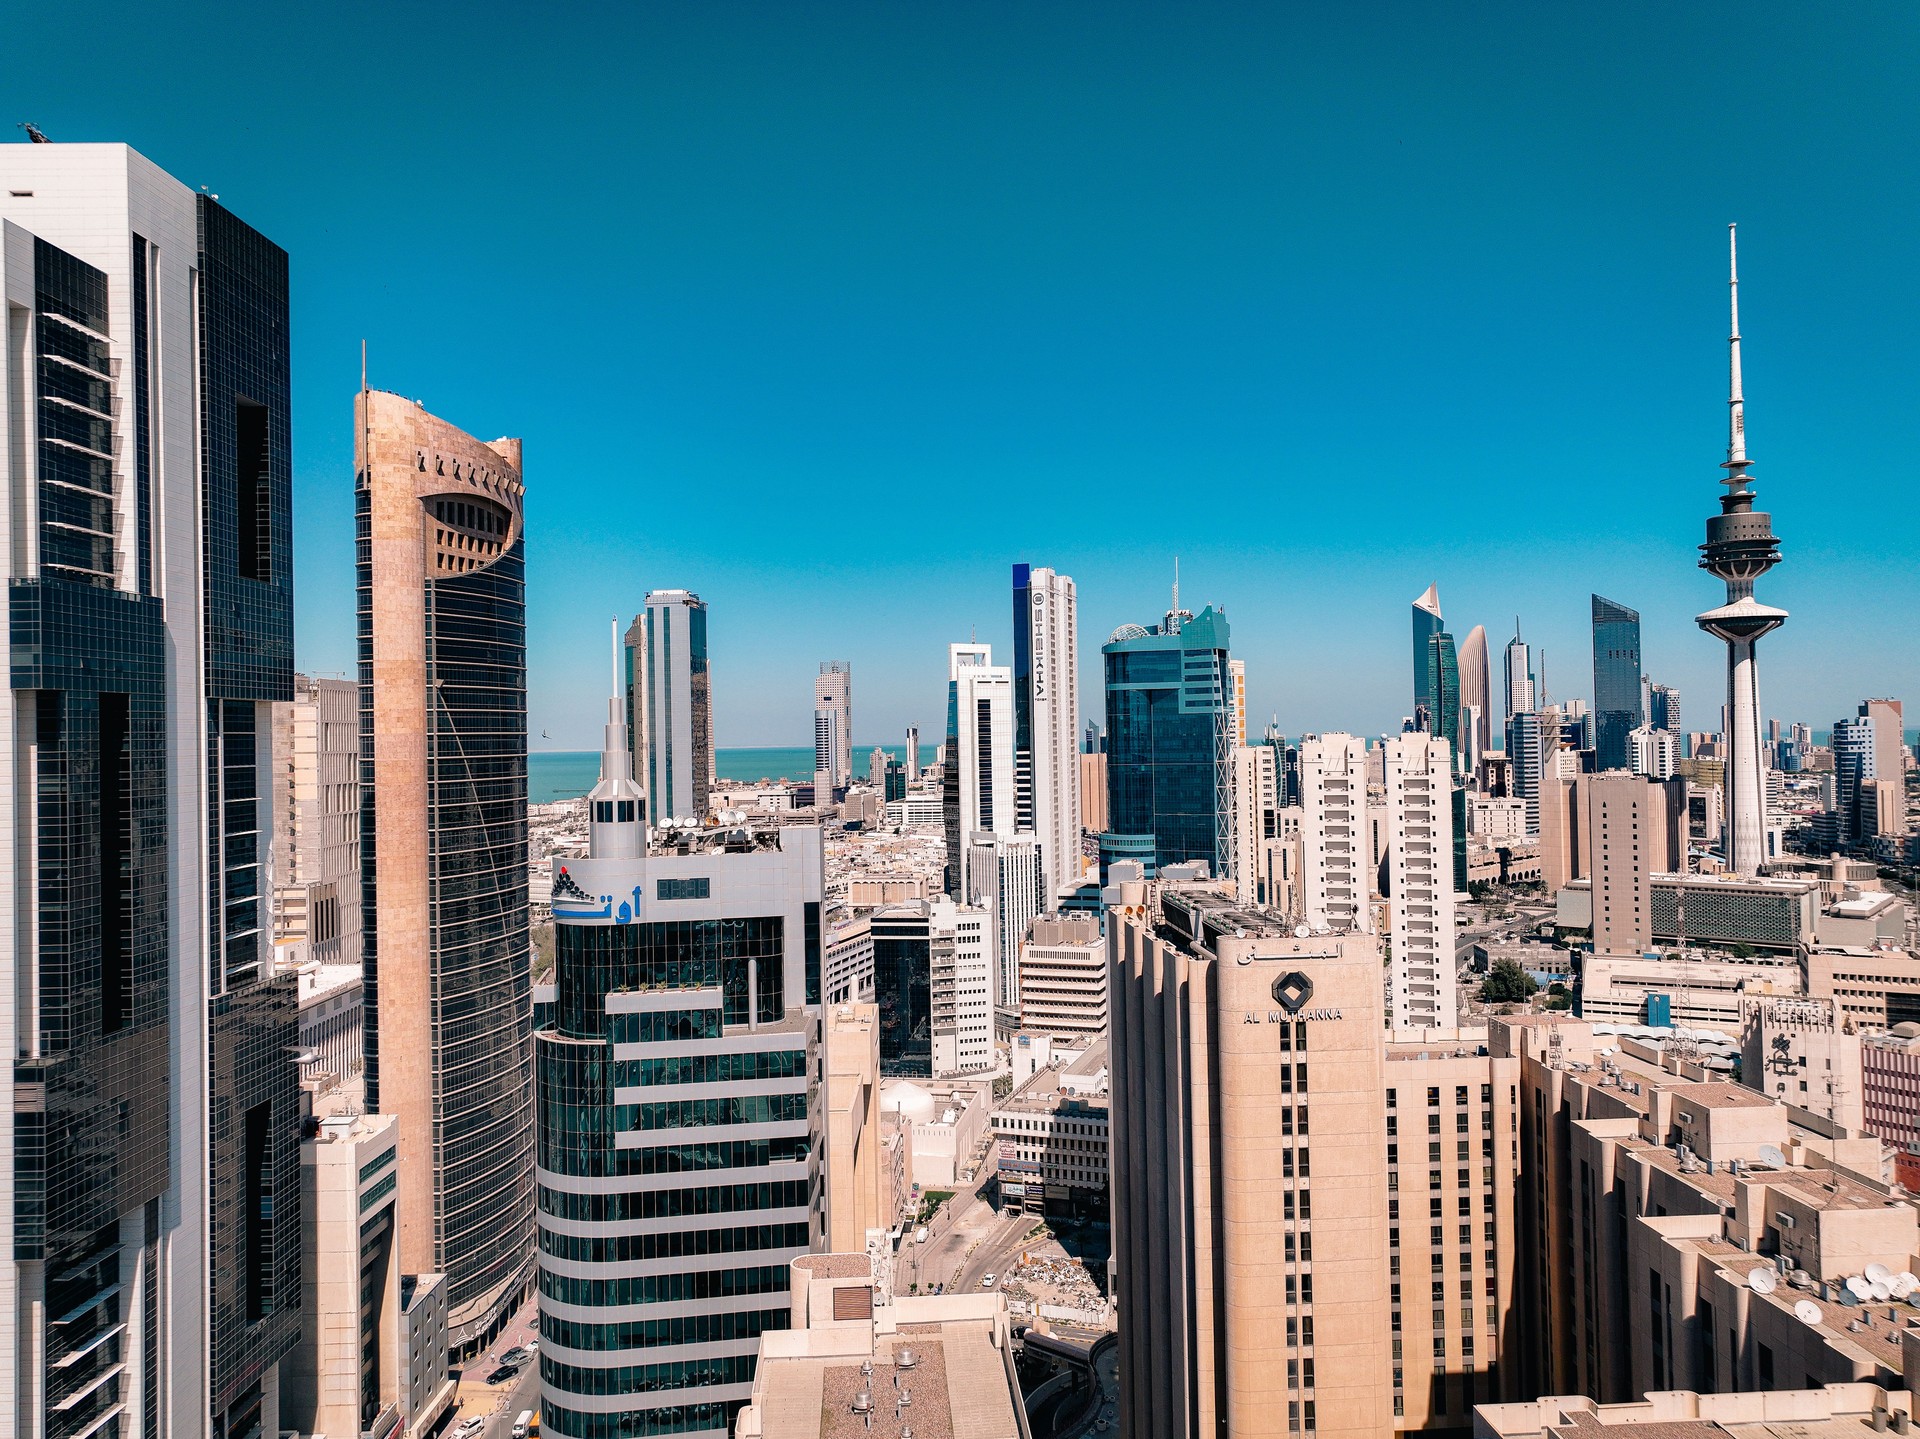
x=253, y=491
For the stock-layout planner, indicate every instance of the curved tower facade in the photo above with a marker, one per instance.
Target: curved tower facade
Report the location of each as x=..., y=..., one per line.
x=443, y=822
x=1741, y=547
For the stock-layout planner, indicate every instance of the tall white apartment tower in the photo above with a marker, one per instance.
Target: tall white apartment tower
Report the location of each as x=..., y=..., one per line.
x=1335, y=865
x=833, y=695
x=1520, y=689
x=670, y=699
x=1046, y=720
x=960, y=987
x=1419, y=809
x=150, y=1152
x=1006, y=879
x=1255, y=802
x=979, y=793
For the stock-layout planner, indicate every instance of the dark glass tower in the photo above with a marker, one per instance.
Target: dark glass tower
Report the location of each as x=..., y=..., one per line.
x=902, y=984
x=1169, y=754
x=1426, y=624
x=1443, y=691
x=1618, y=702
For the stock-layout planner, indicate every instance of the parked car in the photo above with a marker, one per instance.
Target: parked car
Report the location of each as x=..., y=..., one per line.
x=505, y=1374
x=518, y=1356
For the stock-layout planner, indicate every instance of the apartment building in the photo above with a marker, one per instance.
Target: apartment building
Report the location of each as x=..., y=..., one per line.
x=1063, y=977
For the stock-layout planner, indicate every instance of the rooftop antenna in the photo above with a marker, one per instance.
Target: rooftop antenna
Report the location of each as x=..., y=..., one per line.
x=1736, y=464
x=33, y=133
x=613, y=628
x=1176, y=584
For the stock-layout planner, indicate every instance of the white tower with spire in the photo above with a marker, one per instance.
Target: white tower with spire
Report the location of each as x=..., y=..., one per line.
x=615, y=829
x=1740, y=548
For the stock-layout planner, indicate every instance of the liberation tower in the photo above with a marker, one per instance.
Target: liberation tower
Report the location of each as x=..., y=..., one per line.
x=1740, y=548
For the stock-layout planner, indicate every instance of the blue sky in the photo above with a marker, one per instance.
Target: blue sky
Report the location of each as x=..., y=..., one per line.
x=831, y=312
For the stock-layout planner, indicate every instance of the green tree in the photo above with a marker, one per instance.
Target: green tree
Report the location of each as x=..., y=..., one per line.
x=1507, y=983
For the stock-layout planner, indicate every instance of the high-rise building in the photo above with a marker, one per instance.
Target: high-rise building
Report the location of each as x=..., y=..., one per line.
x=669, y=706
x=1617, y=683
x=149, y=1164
x=978, y=789
x=1519, y=675
x=1313, y=1228
x=443, y=811
x=1169, y=750
x=913, y=754
x=316, y=822
x=678, y=1143
x=1890, y=755
x=1063, y=978
x=1653, y=752
x=1533, y=741
x=1093, y=792
x=960, y=986
x=1046, y=720
x=1419, y=817
x=1740, y=548
x=853, y=1159
x=1336, y=867
x=1005, y=879
x=1854, y=757
x=1237, y=698
x=1629, y=822
x=1476, y=707
x=833, y=695
x=1426, y=624
x=877, y=767
x=1663, y=709
x=1442, y=717
x=902, y=938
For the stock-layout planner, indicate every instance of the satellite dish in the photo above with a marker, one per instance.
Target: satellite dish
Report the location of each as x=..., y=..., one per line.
x=1858, y=1287
x=1808, y=1312
x=1762, y=1281
x=1300, y=931
x=1878, y=1274
x=1904, y=1283
x=1881, y=1292
x=1772, y=1157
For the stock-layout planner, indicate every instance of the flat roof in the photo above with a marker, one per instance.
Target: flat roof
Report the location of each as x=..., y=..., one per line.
x=957, y=1388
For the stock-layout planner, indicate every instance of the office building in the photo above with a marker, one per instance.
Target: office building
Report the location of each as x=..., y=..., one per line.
x=1888, y=718
x=1854, y=757
x=1237, y=699
x=1654, y=753
x=877, y=767
x=1740, y=548
x=443, y=808
x=1052, y=1131
x=1520, y=696
x=316, y=827
x=678, y=1146
x=1632, y=828
x=977, y=786
x=1419, y=869
x=860, y=1358
x=1063, y=978
x=1255, y=801
x=1093, y=792
x=858, y=1197
x=832, y=729
x=1046, y=720
x=912, y=756
x=1336, y=866
x=1443, y=691
x=1007, y=885
x=1349, y=1275
x=1618, y=705
x=893, y=780
x=960, y=987
x=1169, y=755
x=1476, y=707
x=669, y=704
x=902, y=940
x=1533, y=747
x=149, y=1168
x=1427, y=624
x=332, y=1025
x=1663, y=709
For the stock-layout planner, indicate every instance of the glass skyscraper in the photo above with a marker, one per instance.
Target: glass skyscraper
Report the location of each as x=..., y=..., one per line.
x=1443, y=692
x=1169, y=751
x=1426, y=624
x=1617, y=692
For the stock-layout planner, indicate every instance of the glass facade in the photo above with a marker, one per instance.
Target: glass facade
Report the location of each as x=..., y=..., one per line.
x=672, y=1062
x=1443, y=691
x=246, y=456
x=1169, y=761
x=1426, y=624
x=1618, y=706
x=903, y=986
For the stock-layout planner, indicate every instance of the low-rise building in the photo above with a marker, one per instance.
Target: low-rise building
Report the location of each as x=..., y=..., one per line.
x=1691, y=988
x=859, y=1361
x=1063, y=977
x=1832, y=1409
x=1052, y=1135
x=846, y=961
x=946, y=1125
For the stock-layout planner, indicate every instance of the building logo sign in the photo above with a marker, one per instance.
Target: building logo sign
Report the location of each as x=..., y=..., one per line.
x=1292, y=991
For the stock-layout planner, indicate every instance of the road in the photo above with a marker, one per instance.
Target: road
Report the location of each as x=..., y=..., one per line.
x=968, y=1240
x=501, y=1404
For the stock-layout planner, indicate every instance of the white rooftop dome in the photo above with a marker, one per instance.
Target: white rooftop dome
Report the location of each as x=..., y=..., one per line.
x=907, y=1099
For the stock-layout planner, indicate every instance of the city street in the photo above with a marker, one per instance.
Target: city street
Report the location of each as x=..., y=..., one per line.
x=500, y=1404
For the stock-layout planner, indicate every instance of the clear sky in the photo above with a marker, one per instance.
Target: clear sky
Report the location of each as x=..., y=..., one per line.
x=831, y=312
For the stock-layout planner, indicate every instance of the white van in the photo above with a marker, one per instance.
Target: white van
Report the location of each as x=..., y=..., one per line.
x=523, y=1426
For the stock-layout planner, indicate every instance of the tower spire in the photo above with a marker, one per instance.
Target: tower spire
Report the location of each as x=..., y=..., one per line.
x=1176, y=584
x=1736, y=462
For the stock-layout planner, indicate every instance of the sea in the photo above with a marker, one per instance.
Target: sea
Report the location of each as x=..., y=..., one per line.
x=554, y=775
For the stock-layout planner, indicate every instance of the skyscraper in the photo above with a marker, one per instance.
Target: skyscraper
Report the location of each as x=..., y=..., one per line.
x=316, y=825
x=1426, y=624
x=1443, y=692
x=1420, y=882
x=1663, y=708
x=1046, y=720
x=978, y=784
x=678, y=1142
x=670, y=693
x=149, y=1166
x=1890, y=754
x=443, y=810
x=1476, y=706
x=1740, y=548
x=913, y=754
x=1169, y=751
x=1336, y=865
x=1005, y=875
x=833, y=702
x=1616, y=681
x=1854, y=765
x=1519, y=674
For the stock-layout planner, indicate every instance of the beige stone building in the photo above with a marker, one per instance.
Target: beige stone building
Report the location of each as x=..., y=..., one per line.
x=858, y=1191
x=1312, y=1227
x=316, y=829
x=1063, y=977
x=449, y=1012
x=860, y=1361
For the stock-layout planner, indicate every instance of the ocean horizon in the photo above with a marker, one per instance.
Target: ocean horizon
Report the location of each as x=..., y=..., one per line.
x=555, y=775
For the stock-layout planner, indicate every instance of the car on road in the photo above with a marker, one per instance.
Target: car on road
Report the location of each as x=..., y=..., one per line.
x=505, y=1374
x=520, y=1355
x=986, y=1281
x=467, y=1428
